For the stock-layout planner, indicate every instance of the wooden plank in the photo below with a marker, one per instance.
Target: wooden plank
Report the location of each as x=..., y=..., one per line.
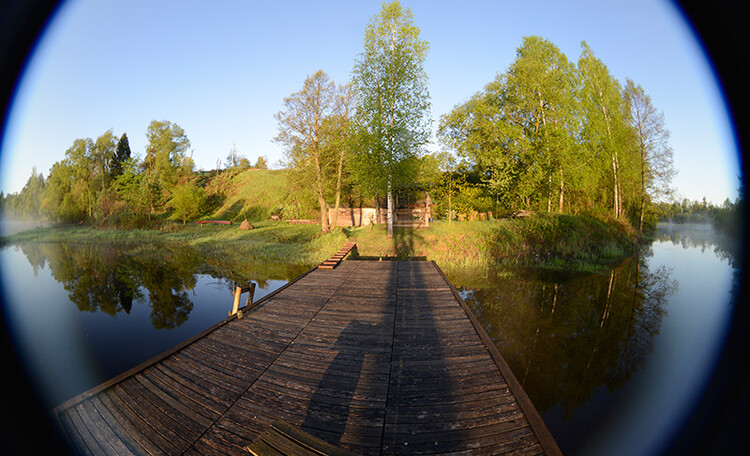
x=221, y=441
x=371, y=355
x=140, y=422
x=126, y=430
x=119, y=378
x=261, y=448
x=85, y=439
x=101, y=431
x=308, y=441
x=159, y=423
x=173, y=396
x=286, y=446
x=546, y=440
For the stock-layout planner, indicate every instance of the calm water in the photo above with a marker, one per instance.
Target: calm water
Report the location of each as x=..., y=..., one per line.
x=614, y=361
x=81, y=314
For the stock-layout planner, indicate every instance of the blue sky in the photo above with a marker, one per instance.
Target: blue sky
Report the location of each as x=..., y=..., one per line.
x=221, y=69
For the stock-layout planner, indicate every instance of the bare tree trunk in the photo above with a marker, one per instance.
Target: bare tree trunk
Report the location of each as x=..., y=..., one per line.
x=323, y=214
x=335, y=221
x=378, y=219
x=321, y=200
x=562, y=193
x=549, y=193
x=616, y=187
x=390, y=208
x=643, y=187
x=617, y=203
x=450, y=207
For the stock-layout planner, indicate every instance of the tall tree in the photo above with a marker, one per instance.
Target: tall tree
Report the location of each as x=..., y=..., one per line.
x=393, y=100
x=79, y=157
x=28, y=203
x=57, y=199
x=342, y=139
x=122, y=153
x=538, y=97
x=166, y=151
x=450, y=180
x=654, y=153
x=102, y=155
x=606, y=120
x=520, y=131
x=187, y=201
x=303, y=131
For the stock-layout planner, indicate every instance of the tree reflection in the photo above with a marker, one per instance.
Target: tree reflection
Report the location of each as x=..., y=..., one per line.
x=565, y=337
x=109, y=279
x=112, y=277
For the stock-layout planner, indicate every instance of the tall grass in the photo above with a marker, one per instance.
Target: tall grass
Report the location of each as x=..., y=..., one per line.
x=557, y=242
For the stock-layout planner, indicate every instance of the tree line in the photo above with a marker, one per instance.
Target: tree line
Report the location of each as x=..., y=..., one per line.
x=547, y=134
x=101, y=181
x=550, y=135
x=729, y=217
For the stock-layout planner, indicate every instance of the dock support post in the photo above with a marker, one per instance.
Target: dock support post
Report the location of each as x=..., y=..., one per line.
x=250, y=294
x=238, y=290
x=236, y=305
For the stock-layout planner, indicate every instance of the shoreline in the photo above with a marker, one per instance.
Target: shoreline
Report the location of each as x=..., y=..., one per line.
x=546, y=242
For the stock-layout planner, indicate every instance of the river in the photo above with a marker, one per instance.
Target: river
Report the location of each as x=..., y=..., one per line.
x=614, y=361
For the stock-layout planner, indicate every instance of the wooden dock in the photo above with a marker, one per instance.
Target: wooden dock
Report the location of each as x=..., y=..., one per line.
x=374, y=357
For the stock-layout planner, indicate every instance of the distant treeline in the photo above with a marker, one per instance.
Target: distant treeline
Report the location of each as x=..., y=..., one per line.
x=729, y=217
x=101, y=182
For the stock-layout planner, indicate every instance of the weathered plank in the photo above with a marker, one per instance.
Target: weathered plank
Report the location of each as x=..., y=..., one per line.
x=375, y=357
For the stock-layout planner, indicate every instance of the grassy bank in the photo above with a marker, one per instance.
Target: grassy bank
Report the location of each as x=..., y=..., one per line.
x=551, y=242
x=269, y=242
x=548, y=242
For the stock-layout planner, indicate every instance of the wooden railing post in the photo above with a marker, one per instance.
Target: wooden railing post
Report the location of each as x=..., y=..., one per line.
x=238, y=290
x=250, y=294
x=236, y=305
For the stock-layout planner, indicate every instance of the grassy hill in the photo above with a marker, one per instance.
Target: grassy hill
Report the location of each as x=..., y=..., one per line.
x=255, y=194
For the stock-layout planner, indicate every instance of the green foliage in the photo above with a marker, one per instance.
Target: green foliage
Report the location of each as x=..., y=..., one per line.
x=122, y=154
x=547, y=135
x=393, y=101
x=547, y=241
x=187, y=201
x=308, y=129
x=28, y=203
x=260, y=163
x=166, y=153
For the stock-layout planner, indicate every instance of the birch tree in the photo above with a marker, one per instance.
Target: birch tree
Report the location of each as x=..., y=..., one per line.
x=393, y=101
x=654, y=153
x=605, y=126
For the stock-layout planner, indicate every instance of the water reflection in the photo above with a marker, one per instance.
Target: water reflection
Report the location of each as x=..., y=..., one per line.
x=565, y=337
x=82, y=313
x=616, y=361
x=111, y=278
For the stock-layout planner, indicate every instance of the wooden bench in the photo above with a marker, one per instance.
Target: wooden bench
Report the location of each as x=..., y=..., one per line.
x=215, y=222
x=284, y=439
